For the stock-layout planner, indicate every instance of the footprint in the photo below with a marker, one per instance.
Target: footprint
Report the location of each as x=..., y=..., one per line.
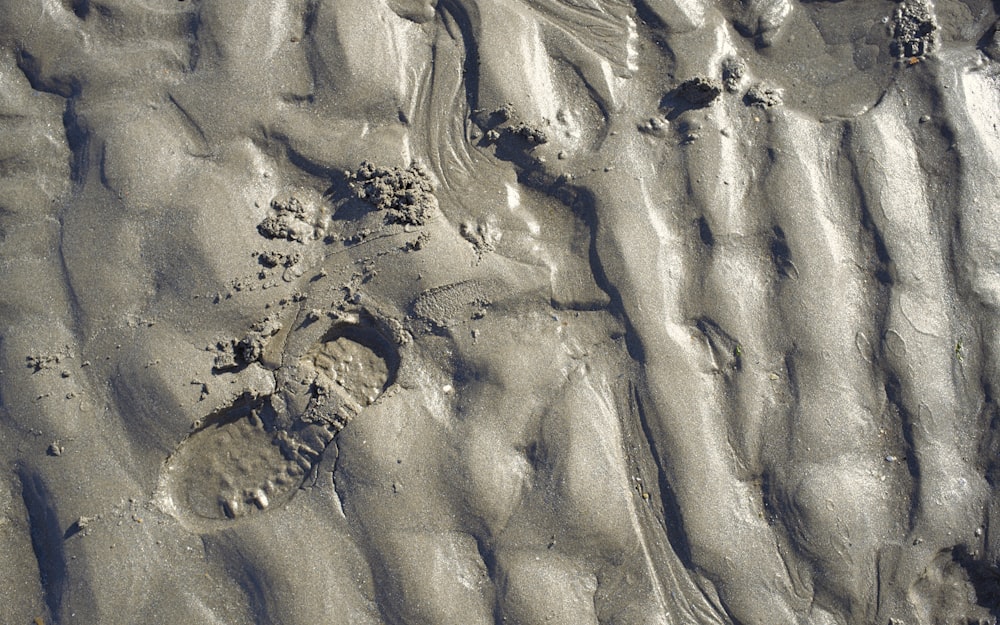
x=255, y=454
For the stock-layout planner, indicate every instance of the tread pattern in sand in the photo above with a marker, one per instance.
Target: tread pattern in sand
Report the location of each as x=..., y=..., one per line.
x=253, y=456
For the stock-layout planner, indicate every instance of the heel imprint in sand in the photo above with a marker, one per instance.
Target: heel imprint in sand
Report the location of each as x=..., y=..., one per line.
x=254, y=454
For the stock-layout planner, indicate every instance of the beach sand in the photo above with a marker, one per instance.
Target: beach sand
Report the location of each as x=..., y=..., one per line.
x=499, y=311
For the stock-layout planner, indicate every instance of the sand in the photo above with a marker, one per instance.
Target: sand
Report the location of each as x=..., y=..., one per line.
x=499, y=311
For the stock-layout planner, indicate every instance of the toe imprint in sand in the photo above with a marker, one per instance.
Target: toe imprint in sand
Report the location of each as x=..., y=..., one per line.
x=350, y=373
x=255, y=454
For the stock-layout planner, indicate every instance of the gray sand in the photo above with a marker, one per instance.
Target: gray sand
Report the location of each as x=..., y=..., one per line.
x=499, y=311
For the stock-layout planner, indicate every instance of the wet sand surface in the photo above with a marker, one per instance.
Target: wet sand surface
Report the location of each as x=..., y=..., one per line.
x=499, y=311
